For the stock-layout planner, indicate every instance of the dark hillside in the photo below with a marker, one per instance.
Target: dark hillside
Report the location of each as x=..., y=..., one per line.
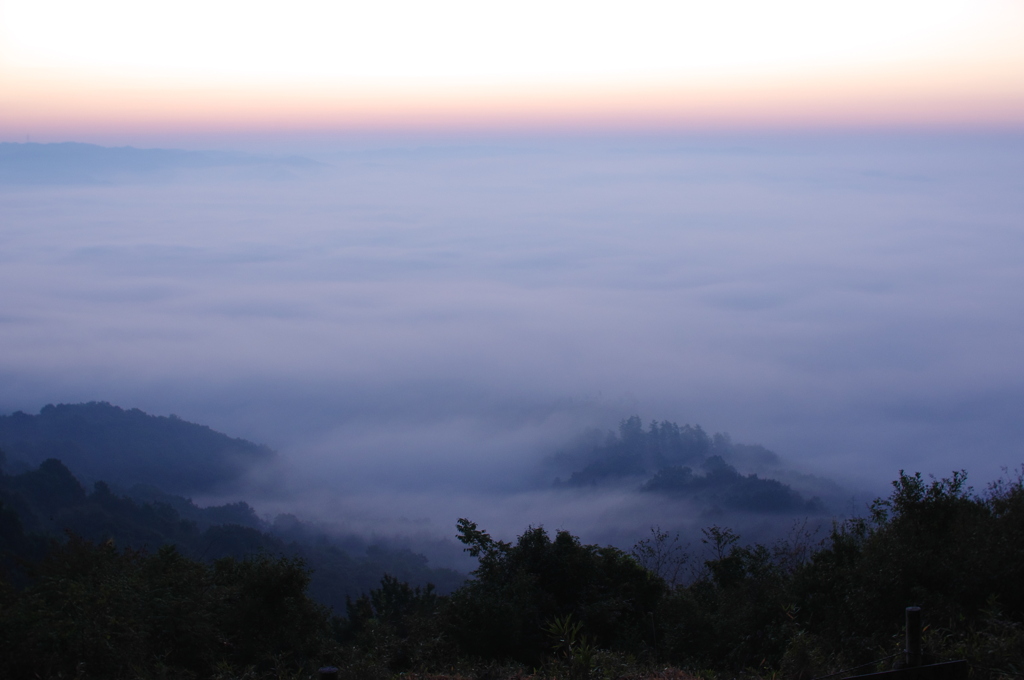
x=230, y=598
x=128, y=447
x=49, y=503
x=667, y=458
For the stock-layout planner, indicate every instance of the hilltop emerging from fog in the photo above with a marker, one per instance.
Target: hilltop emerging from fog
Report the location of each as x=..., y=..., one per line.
x=128, y=447
x=662, y=459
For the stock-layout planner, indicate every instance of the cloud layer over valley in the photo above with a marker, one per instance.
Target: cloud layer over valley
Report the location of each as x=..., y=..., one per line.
x=419, y=326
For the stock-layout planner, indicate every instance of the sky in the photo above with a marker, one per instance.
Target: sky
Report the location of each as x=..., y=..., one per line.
x=797, y=222
x=122, y=72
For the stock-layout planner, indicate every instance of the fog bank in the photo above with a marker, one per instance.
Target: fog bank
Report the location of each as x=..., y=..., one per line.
x=417, y=326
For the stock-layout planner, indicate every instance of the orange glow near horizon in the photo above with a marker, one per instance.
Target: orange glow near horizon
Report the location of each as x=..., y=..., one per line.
x=49, y=112
x=896, y=64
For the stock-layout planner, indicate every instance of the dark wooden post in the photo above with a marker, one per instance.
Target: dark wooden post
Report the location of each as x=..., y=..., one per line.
x=913, y=636
x=328, y=673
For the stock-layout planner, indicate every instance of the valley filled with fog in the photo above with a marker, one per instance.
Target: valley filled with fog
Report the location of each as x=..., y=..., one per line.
x=428, y=328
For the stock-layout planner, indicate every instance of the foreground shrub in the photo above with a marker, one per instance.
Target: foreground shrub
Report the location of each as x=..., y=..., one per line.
x=519, y=590
x=114, y=614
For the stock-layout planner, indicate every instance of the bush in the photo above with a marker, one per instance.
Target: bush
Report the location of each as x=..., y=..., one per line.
x=520, y=589
x=126, y=613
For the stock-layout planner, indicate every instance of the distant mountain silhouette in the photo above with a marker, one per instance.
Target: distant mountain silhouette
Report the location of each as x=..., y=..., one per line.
x=75, y=163
x=127, y=447
x=722, y=485
x=670, y=453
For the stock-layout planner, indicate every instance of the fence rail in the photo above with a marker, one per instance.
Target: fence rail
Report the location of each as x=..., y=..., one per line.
x=912, y=668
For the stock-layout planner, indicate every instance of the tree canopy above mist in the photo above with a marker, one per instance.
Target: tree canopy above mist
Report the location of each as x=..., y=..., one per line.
x=77, y=163
x=42, y=506
x=128, y=447
x=722, y=484
x=671, y=453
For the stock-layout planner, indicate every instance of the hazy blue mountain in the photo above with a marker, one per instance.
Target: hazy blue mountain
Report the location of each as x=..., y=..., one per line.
x=76, y=163
x=723, y=486
x=664, y=457
x=128, y=447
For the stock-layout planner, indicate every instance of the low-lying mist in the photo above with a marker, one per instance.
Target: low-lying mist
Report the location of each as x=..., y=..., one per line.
x=420, y=327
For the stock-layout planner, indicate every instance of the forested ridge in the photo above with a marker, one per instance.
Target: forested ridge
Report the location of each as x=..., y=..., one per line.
x=128, y=447
x=683, y=462
x=108, y=581
x=49, y=503
x=544, y=605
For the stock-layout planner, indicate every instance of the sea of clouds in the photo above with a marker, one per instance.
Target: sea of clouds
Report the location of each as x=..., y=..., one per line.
x=419, y=322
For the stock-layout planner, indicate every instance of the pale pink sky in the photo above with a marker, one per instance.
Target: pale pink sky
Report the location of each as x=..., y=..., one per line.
x=122, y=69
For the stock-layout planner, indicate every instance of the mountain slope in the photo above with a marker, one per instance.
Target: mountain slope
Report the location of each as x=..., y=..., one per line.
x=128, y=447
x=684, y=462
